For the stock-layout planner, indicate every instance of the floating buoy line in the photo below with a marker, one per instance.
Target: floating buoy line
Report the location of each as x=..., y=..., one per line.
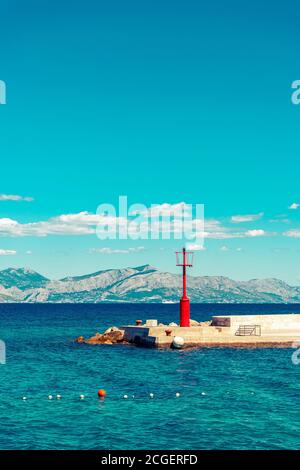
x=102, y=395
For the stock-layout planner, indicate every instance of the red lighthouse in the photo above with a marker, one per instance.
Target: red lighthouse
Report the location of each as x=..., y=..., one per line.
x=185, y=259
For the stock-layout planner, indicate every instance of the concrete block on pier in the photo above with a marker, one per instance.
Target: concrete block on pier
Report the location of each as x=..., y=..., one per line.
x=151, y=322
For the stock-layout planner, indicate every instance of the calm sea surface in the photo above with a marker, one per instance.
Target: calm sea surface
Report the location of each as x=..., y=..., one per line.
x=230, y=399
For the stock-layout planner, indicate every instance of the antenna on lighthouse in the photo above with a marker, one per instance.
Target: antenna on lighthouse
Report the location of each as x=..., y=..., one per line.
x=185, y=259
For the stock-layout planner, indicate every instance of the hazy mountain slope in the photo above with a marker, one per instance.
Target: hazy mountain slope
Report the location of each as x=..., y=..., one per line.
x=140, y=284
x=23, y=278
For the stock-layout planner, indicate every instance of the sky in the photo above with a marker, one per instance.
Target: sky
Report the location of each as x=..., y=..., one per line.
x=165, y=102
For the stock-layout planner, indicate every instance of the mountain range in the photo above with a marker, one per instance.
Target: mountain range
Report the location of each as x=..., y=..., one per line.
x=139, y=284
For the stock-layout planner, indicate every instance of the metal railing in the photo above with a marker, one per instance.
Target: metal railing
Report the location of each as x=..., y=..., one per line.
x=248, y=330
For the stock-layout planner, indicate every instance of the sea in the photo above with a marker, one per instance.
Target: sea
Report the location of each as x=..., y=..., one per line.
x=214, y=398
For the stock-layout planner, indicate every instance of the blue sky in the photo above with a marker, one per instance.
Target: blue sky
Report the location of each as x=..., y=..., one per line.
x=163, y=102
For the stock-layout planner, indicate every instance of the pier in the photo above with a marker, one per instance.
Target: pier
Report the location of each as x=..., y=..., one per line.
x=240, y=331
x=222, y=331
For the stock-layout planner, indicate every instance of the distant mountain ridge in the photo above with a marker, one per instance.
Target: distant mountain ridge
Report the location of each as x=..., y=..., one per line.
x=139, y=284
x=23, y=278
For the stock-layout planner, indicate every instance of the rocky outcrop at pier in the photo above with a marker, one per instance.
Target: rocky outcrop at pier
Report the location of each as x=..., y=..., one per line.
x=111, y=336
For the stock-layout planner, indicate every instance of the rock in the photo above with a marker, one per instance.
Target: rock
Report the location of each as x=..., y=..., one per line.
x=110, y=329
x=96, y=337
x=80, y=339
x=173, y=324
x=114, y=336
x=194, y=323
x=111, y=336
x=205, y=323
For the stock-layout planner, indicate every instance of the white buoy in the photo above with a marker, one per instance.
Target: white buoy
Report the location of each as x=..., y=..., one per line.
x=125, y=396
x=203, y=393
x=82, y=397
x=24, y=398
x=177, y=394
x=58, y=397
x=50, y=397
x=151, y=395
x=178, y=342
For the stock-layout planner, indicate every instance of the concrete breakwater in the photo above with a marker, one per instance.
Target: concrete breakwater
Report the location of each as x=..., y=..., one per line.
x=223, y=331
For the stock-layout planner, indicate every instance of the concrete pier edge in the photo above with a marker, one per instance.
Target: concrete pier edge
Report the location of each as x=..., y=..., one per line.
x=230, y=331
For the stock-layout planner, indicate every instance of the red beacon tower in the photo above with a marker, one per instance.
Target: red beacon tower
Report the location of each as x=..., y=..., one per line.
x=185, y=259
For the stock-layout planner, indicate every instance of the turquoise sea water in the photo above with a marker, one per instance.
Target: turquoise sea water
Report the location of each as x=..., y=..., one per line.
x=230, y=398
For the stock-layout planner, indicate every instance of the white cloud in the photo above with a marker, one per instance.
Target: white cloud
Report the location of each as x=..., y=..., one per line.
x=280, y=219
x=7, y=252
x=54, y=226
x=15, y=197
x=224, y=248
x=246, y=218
x=255, y=233
x=86, y=223
x=222, y=235
x=81, y=218
x=195, y=247
x=164, y=210
x=215, y=230
x=227, y=235
x=293, y=233
x=294, y=206
x=111, y=251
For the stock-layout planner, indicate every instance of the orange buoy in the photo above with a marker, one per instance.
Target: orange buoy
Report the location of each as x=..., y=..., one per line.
x=101, y=393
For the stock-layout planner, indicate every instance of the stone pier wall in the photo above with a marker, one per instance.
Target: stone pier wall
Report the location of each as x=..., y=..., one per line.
x=275, y=330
